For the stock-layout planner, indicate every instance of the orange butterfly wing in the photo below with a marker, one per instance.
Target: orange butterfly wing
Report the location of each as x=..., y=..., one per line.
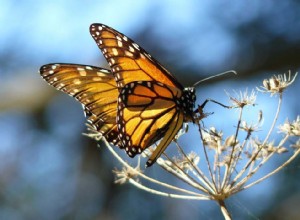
x=146, y=117
x=152, y=104
x=128, y=61
x=95, y=88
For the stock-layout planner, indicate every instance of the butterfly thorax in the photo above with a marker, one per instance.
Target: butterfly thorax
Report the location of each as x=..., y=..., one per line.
x=187, y=102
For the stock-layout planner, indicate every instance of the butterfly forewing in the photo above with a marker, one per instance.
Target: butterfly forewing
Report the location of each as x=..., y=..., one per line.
x=95, y=88
x=128, y=61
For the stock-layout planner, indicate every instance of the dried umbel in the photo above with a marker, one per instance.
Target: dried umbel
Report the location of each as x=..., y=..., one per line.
x=221, y=166
x=277, y=84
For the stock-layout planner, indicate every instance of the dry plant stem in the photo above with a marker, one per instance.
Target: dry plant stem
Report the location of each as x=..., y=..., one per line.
x=275, y=119
x=183, y=176
x=196, y=171
x=224, y=179
x=224, y=210
x=254, y=170
x=252, y=159
x=236, y=161
x=217, y=168
x=230, y=167
x=274, y=171
x=171, y=195
x=206, y=158
x=271, y=128
x=209, y=190
x=240, y=151
x=148, y=178
x=200, y=175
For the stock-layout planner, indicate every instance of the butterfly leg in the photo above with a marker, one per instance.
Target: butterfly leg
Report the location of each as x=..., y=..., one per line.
x=214, y=101
x=200, y=108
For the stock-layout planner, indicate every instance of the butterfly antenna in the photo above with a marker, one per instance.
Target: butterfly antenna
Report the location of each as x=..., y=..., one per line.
x=210, y=77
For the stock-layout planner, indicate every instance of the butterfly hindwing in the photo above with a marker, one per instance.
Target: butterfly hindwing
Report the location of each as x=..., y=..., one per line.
x=94, y=87
x=147, y=112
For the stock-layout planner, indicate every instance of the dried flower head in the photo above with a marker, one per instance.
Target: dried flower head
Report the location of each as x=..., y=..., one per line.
x=93, y=133
x=277, y=84
x=126, y=173
x=187, y=162
x=291, y=128
x=212, y=138
x=241, y=99
x=250, y=127
x=296, y=145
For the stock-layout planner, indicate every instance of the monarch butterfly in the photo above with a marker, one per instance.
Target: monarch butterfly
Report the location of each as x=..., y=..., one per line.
x=133, y=105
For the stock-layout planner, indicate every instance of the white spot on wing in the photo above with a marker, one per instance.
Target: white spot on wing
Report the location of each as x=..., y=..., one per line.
x=115, y=51
x=100, y=73
x=120, y=44
x=82, y=73
x=131, y=49
x=112, y=61
x=142, y=56
x=136, y=46
x=76, y=81
x=96, y=79
x=127, y=53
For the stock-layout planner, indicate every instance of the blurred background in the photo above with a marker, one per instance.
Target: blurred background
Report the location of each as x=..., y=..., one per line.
x=48, y=170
